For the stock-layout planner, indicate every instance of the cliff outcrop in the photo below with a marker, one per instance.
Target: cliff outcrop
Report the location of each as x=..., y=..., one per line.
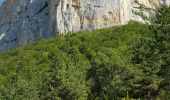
x=26, y=21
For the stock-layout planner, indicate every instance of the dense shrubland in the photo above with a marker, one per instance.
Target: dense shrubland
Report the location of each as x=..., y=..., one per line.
x=122, y=62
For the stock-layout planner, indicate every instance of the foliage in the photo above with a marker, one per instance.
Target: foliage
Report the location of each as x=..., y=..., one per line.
x=151, y=54
x=120, y=63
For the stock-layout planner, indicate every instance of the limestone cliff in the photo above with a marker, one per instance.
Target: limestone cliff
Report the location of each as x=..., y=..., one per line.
x=26, y=21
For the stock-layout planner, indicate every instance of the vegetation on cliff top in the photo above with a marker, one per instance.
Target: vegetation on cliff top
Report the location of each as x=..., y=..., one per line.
x=122, y=62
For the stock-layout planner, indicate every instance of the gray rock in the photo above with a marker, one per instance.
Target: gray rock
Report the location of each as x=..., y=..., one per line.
x=27, y=21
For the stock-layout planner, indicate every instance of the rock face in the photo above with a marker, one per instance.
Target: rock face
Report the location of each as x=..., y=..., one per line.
x=26, y=21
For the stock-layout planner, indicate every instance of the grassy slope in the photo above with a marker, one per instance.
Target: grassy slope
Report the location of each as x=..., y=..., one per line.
x=62, y=67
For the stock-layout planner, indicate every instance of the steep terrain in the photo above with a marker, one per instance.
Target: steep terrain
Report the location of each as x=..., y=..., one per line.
x=65, y=67
x=107, y=64
x=25, y=21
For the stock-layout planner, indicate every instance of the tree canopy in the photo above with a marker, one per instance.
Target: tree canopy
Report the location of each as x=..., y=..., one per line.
x=123, y=62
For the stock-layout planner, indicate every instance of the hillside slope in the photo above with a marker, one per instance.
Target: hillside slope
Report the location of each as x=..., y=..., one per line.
x=85, y=65
x=62, y=66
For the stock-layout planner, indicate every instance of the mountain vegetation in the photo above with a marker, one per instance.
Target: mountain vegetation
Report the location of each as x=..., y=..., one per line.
x=120, y=63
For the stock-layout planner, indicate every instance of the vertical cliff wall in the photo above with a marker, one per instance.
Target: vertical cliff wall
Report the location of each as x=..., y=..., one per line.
x=26, y=21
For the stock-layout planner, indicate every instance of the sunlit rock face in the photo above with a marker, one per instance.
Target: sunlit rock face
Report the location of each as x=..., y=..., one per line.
x=26, y=21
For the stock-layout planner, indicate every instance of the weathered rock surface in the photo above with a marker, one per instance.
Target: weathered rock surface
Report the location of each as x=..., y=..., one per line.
x=26, y=21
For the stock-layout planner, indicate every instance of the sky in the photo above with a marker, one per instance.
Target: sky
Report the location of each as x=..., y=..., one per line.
x=1, y=1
